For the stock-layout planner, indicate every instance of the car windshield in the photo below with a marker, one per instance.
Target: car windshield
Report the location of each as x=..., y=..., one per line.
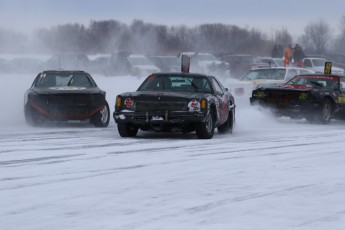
x=47, y=80
x=266, y=74
x=176, y=83
x=328, y=82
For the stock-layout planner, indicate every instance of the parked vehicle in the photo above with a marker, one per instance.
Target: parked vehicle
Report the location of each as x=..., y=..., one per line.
x=259, y=76
x=240, y=64
x=166, y=63
x=176, y=102
x=272, y=62
x=141, y=65
x=69, y=61
x=318, y=65
x=206, y=63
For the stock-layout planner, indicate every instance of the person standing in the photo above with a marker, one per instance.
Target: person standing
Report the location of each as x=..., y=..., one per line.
x=298, y=55
x=288, y=53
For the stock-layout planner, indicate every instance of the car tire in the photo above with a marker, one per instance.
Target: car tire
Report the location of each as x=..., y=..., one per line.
x=127, y=130
x=102, y=117
x=205, y=130
x=228, y=125
x=324, y=116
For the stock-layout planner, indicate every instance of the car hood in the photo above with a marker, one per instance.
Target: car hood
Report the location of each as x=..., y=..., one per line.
x=66, y=90
x=286, y=87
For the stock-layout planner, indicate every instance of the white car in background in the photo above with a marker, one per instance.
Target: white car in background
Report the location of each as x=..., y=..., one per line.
x=272, y=62
x=253, y=78
x=141, y=65
x=206, y=63
x=318, y=65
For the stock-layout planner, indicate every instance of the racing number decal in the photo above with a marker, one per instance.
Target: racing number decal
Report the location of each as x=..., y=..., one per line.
x=303, y=96
x=328, y=68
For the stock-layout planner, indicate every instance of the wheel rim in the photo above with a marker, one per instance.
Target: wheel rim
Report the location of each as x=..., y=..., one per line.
x=104, y=114
x=326, y=112
x=209, y=123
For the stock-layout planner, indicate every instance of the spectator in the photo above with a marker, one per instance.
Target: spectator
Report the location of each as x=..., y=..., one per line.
x=288, y=52
x=298, y=55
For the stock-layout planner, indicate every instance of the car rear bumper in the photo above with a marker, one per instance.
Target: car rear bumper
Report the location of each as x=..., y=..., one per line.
x=67, y=112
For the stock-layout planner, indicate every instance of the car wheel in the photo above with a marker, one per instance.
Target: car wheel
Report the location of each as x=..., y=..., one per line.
x=205, y=130
x=228, y=125
x=325, y=114
x=102, y=117
x=127, y=130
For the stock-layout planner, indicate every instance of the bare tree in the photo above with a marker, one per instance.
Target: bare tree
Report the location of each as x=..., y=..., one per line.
x=317, y=36
x=339, y=44
x=282, y=37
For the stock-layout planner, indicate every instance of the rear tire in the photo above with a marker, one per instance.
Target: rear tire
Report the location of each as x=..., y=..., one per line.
x=228, y=125
x=324, y=116
x=205, y=130
x=102, y=117
x=127, y=130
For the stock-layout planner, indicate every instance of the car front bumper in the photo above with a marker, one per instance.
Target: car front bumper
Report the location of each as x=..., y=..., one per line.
x=159, y=117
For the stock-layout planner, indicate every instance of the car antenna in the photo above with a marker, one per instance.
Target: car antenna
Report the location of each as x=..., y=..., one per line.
x=59, y=63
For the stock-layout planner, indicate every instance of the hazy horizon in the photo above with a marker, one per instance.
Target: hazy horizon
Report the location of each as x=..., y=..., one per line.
x=27, y=16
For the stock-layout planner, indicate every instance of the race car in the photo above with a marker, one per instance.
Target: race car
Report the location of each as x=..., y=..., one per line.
x=63, y=96
x=316, y=97
x=176, y=102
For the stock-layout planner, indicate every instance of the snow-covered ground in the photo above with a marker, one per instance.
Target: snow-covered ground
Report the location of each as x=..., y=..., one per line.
x=269, y=174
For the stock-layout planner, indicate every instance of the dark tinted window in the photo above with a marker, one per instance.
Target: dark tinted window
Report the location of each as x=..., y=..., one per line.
x=64, y=79
x=177, y=83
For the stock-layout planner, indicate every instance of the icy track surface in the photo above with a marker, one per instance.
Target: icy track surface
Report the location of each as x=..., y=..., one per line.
x=269, y=174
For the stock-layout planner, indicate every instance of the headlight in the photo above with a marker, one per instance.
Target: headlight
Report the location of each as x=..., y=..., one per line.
x=128, y=103
x=259, y=94
x=194, y=105
x=124, y=103
x=303, y=96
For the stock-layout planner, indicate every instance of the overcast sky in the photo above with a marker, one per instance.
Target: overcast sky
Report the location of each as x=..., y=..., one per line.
x=265, y=15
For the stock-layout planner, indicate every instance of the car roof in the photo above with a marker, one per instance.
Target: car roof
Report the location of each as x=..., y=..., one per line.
x=63, y=71
x=181, y=74
x=280, y=67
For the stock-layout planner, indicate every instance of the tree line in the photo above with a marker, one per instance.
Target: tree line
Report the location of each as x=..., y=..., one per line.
x=109, y=36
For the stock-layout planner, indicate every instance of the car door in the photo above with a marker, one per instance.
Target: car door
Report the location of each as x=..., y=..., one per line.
x=222, y=101
x=341, y=96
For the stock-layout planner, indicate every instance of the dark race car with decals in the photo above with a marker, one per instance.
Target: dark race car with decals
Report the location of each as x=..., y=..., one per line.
x=63, y=96
x=176, y=102
x=316, y=97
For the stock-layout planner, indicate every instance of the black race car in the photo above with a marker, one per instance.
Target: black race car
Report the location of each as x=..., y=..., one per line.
x=180, y=102
x=63, y=96
x=316, y=97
